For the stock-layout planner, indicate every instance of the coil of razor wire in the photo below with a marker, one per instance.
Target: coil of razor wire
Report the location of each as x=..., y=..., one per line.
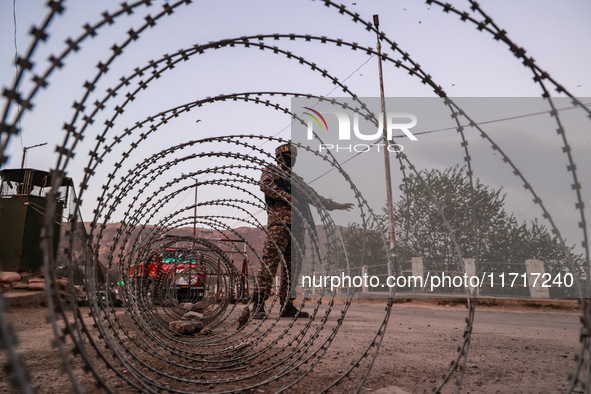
x=136, y=344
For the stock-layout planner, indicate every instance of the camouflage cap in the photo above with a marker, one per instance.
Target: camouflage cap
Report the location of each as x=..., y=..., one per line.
x=286, y=148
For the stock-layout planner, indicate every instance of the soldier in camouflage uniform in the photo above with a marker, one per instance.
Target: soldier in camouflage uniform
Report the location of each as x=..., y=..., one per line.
x=275, y=183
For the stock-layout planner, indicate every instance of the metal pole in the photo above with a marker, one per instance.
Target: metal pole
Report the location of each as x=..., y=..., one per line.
x=25, y=152
x=195, y=207
x=195, y=211
x=391, y=235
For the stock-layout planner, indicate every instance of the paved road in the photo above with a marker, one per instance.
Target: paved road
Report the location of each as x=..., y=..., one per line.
x=526, y=350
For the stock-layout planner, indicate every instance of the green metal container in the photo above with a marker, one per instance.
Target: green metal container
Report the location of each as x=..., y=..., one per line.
x=23, y=204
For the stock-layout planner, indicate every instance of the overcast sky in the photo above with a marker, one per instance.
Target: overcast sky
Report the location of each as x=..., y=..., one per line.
x=462, y=60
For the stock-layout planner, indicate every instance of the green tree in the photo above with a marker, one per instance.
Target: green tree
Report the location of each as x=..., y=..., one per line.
x=476, y=215
x=366, y=246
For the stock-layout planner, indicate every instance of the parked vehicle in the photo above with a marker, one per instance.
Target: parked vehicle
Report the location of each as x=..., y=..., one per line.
x=173, y=272
x=84, y=299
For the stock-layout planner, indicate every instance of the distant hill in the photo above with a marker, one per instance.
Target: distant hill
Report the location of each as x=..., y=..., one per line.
x=107, y=250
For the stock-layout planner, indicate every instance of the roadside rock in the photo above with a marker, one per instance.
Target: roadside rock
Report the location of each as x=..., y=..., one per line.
x=20, y=286
x=199, y=307
x=63, y=283
x=244, y=317
x=36, y=286
x=206, y=331
x=9, y=277
x=185, y=327
x=189, y=306
x=194, y=316
x=169, y=302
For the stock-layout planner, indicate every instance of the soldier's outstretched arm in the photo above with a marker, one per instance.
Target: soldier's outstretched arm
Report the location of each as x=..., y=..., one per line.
x=347, y=206
x=322, y=202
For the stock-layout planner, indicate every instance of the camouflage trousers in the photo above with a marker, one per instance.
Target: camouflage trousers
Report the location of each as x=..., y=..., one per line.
x=278, y=252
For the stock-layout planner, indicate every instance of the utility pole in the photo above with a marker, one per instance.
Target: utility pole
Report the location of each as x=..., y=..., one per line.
x=195, y=207
x=25, y=152
x=391, y=236
x=195, y=211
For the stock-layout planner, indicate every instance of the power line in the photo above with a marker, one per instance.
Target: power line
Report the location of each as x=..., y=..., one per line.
x=498, y=120
x=467, y=125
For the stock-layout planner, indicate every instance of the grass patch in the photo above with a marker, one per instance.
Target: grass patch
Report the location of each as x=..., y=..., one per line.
x=452, y=301
x=487, y=303
x=464, y=301
x=547, y=306
x=533, y=305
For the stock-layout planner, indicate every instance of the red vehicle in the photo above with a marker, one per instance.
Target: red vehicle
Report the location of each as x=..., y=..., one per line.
x=178, y=273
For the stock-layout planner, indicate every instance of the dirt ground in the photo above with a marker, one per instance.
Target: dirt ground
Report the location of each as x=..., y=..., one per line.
x=511, y=350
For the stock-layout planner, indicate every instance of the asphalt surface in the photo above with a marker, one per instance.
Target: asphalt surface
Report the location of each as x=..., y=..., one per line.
x=511, y=349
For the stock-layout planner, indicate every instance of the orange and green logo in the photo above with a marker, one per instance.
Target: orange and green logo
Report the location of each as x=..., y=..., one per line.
x=316, y=118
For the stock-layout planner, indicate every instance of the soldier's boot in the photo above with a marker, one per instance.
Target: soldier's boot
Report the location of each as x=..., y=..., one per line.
x=289, y=310
x=258, y=308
